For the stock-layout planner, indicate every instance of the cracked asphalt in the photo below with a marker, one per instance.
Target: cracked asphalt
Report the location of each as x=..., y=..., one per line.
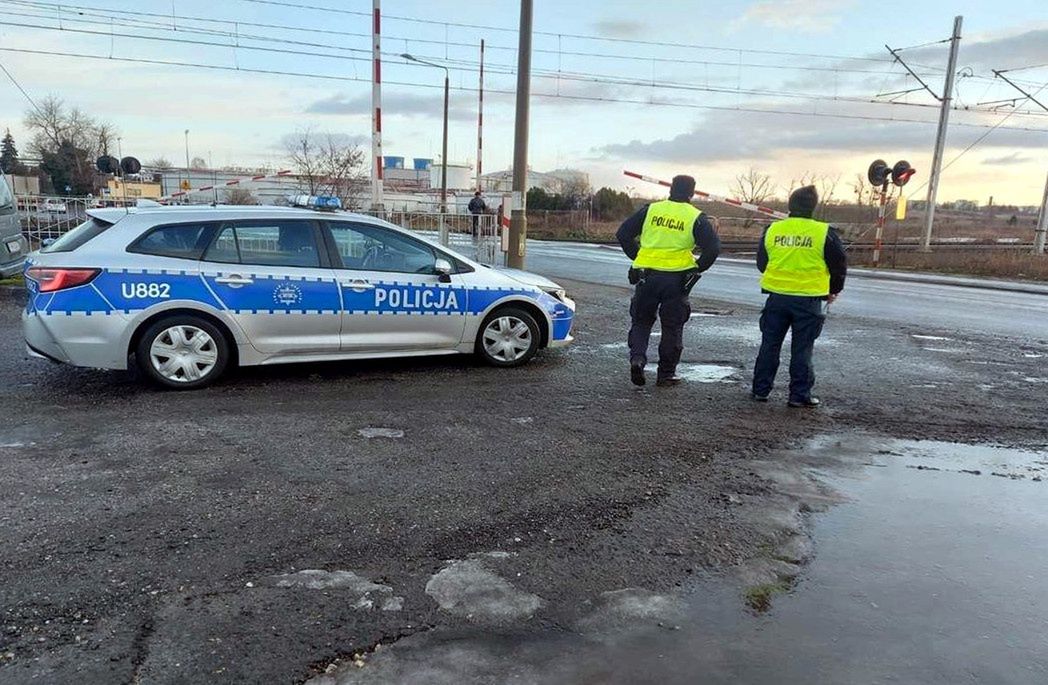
x=144, y=534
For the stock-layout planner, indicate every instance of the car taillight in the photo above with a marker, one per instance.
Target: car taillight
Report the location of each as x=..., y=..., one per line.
x=49, y=280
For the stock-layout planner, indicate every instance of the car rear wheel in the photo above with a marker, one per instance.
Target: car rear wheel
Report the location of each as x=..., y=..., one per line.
x=182, y=352
x=508, y=337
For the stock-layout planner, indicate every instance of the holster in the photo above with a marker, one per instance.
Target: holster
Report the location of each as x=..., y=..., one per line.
x=690, y=279
x=635, y=275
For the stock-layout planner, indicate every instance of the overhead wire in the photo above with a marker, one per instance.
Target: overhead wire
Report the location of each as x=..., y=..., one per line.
x=573, y=97
x=505, y=69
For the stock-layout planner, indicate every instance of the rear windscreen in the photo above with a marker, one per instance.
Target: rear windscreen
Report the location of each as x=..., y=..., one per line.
x=91, y=228
x=7, y=200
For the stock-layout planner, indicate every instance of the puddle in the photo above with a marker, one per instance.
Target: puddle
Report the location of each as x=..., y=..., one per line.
x=945, y=350
x=930, y=337
x=1032, y=355
x=706, y=373
x=392, y=433
x=930, y=570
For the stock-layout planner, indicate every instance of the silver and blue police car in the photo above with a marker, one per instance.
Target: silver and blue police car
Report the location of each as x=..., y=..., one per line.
x=187, y=292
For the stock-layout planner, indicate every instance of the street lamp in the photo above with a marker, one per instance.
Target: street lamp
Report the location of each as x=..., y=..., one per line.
x=444, y=151
x=189, y=180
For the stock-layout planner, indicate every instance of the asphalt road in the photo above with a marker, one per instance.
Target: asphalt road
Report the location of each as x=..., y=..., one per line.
x=937, y=307
x=294, y=519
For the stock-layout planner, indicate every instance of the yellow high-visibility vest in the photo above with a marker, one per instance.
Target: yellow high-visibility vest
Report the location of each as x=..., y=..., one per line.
x=796, y=265
x=668, y=238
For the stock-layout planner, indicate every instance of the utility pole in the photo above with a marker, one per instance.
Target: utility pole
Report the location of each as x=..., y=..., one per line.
x=940, y=136
x=518, y=227
x=480, y=119
x=1042, y=218
x=1042, y=224
x=376, y=109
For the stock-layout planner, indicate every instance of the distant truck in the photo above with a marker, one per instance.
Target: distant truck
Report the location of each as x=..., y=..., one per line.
x=13, y=246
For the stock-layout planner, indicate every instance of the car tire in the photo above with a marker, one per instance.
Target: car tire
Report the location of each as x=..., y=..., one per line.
x=509, y=336
x=182, y=352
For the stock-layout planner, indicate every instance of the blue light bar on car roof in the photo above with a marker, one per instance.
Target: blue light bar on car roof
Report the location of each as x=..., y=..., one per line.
x=321, y=202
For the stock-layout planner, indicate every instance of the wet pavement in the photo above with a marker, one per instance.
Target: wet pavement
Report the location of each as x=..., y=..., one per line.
x=929, y=569
x=434, y=518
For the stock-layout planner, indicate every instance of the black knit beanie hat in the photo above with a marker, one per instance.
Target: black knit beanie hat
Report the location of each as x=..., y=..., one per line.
x=803, y=201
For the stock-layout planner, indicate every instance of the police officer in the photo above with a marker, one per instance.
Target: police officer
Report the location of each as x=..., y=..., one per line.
x=660, y=238
x=804, y=267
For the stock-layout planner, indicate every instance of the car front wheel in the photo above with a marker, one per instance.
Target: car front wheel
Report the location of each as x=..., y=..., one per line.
x=508, y=337
x=182, y=352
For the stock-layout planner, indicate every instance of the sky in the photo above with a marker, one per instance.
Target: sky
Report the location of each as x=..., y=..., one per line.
x=710, y=89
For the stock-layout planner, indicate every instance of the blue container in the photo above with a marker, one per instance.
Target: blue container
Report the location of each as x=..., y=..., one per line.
x=393, y=162
x=423, y=164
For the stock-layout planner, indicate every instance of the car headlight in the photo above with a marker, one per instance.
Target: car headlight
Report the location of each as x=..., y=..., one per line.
x=558, y=293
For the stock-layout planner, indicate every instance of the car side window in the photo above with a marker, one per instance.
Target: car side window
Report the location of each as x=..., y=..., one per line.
x=266, y=243
x=372, y=248
x=182, y=241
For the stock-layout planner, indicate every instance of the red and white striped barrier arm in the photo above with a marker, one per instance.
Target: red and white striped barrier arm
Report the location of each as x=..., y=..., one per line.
x=236, y=181
x=767, y=211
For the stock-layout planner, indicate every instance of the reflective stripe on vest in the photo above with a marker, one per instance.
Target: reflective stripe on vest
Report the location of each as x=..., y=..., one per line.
x=796, y=265
x=668, y=237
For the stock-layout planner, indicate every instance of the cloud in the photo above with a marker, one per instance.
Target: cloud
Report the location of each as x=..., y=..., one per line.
x=1007, y=51
x=1008, y=160
x=806, y=16
x=732, y=135
x=624, y=28
x=394, y=104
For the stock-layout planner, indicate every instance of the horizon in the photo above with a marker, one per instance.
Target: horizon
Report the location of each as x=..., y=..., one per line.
x=779, y=87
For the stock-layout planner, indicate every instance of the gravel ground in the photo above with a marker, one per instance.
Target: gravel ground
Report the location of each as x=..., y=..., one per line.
x=159, y=537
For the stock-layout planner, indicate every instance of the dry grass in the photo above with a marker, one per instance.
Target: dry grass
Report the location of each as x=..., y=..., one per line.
x=1012, y=264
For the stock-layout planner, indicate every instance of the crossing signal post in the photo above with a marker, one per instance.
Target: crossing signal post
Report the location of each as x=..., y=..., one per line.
x=880, y=175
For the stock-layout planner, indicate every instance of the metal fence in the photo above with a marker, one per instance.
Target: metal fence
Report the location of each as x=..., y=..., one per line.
x=475, y=236
x=46, y=218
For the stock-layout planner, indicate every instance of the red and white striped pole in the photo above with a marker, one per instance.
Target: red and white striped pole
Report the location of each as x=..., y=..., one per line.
x=376, y=109
x=767, y=211
x=480, y=119
x=216, y=186
x=880, y=225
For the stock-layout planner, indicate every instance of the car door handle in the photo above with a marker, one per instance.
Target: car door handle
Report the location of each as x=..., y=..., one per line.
x=359, y=284
x=234, y=280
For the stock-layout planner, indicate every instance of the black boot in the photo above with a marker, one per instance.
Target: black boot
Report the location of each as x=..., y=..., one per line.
x=637, y=374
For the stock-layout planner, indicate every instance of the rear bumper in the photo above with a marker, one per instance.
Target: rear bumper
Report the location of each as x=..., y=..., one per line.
x=90, y=341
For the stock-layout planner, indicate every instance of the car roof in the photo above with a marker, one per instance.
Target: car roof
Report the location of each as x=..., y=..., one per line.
x=211, y=212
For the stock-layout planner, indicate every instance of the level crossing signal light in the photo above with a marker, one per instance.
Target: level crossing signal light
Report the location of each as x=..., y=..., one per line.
x=111, y=165
x=879, y=173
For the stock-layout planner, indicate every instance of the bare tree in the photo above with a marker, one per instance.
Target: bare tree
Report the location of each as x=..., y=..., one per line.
x=329, y=165
x=198, y=163
x=239, y=196
x=53, y=123
x=754, y=187
x=161, y=163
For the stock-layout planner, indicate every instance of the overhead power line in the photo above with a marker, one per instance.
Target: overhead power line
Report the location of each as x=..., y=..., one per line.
x=606, y=39
x=505, y=69
x=19, y=86
x=562, y=96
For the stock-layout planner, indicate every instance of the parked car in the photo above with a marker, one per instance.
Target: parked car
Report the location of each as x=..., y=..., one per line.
x=54, y=207
x=189, y=291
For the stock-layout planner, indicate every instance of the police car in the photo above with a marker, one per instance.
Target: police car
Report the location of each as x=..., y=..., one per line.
x=189, y=291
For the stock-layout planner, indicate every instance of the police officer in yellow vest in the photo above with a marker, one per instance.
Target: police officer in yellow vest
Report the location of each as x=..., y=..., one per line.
x=804, y=267
x=660, y=239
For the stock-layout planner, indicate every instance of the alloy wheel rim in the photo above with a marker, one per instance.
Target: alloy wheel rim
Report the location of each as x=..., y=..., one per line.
x=507, y=338
x=183, y=354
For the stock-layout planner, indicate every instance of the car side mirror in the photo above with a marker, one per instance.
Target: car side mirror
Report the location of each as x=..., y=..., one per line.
x=47, y=242
x=443, y=268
